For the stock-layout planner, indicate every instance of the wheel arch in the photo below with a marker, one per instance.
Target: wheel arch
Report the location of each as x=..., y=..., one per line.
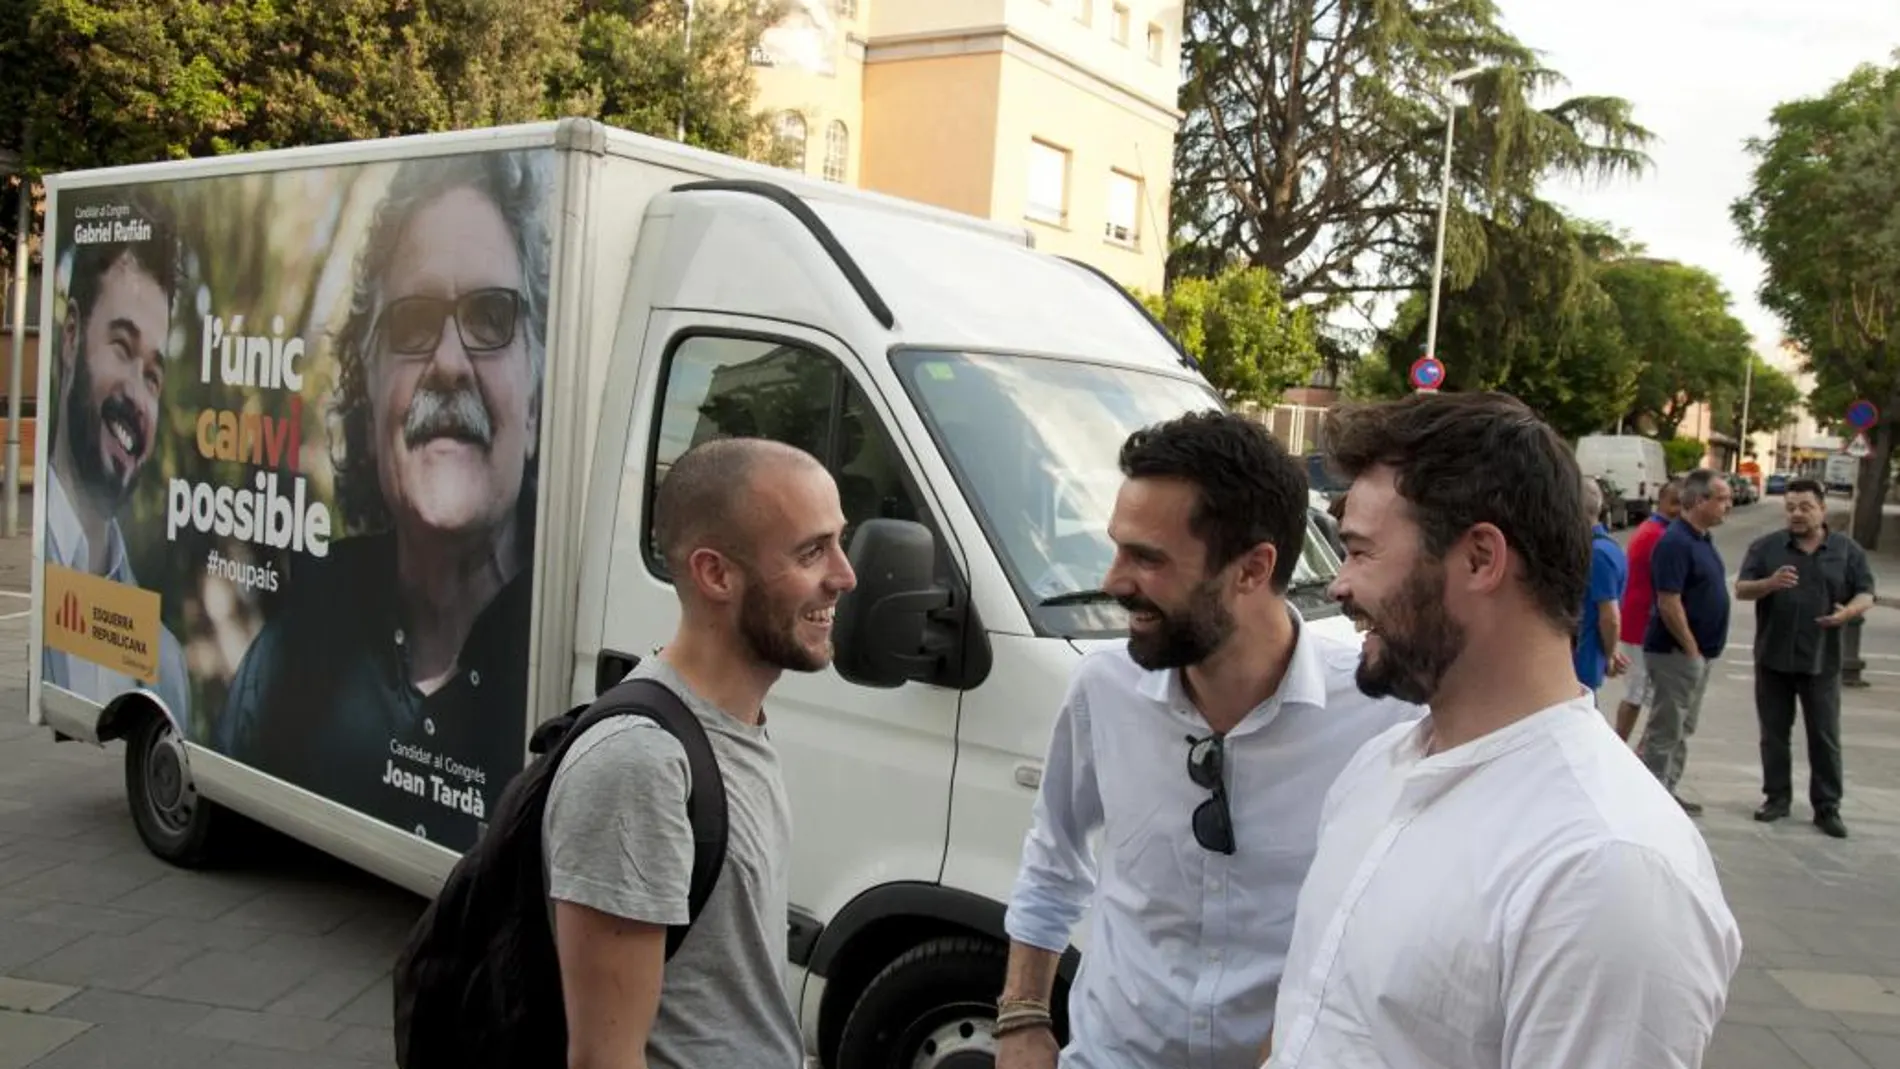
x=880, y=925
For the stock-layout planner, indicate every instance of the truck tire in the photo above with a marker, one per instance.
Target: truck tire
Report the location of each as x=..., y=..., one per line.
x=930, y=1009
x=172, y=820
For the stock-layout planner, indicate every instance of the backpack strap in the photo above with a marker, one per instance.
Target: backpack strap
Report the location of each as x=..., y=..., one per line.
x=705, y=804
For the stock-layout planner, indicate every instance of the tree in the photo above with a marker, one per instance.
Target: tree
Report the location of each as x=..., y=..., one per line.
x=1680, y=332
x=1820, y=212
x=1532, y=322
x=1251, y=346
x=1683, y=454
x=1773, y=402
x=1311, y=141
x=93, y=83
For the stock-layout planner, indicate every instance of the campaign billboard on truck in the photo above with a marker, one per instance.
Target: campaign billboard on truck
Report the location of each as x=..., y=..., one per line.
x=293, y=419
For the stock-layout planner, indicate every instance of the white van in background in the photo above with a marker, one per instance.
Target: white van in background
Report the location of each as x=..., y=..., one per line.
x=969, y=394
x=1636, y=464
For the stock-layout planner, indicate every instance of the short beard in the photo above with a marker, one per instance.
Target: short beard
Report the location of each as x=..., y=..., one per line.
x=1418, y=641
x=85, y=425
x=771, y=634
x=1187, y=638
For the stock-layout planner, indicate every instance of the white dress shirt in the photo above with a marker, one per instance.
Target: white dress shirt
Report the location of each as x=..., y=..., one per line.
x=1533, y=899
x=1185, y=945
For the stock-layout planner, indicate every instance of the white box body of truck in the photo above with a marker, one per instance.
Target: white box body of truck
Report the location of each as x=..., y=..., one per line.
x=290, y=390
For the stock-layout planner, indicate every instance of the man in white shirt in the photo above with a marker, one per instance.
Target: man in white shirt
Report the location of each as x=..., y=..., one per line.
x=1502, y=884
x=1201, y=753
x=114, y=352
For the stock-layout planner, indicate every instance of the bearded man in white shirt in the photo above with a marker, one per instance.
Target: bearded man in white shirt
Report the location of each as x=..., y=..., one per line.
x=1201, y=753
x=1502, y=884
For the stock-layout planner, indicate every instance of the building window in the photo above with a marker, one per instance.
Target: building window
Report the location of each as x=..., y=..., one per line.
x=847, y=9
x=1048, y=183
x=1084, y=11
x=1121, y=24
x=837, y=147
x=1124, y=209
x=1156, y=44
x=791, y=138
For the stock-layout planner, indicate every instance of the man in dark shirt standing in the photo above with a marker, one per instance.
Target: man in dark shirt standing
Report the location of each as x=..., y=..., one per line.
x=1806, y=582
x=1688, y=627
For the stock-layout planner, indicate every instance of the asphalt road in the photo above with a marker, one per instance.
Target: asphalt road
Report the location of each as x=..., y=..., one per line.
x=110, y=958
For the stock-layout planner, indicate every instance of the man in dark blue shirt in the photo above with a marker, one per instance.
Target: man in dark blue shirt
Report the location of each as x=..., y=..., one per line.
x=1688, y=625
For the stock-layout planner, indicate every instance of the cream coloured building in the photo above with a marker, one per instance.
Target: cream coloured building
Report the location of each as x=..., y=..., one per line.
x=1058, y=115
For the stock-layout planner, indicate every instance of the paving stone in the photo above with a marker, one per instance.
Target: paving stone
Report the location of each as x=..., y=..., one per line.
x=1747, y=1046
x=119, y=1009
x=99, y=919
x=326, y=993
x=266, y=1030
x=367, y=1044
x=31, y=996
x=374, y=1008
x=117, y=1047
x=25, y=1038
x=23, y=942
x=1842, y=992
x=190, y=896
x=117, y=962
x=1881, y=1052
x=239, y=981
x=1820, y=1050
x=90, y=882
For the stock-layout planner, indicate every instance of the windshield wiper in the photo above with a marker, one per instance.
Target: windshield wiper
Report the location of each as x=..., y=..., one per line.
x=1077, y=597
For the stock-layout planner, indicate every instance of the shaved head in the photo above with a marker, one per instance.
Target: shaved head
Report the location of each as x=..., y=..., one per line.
x=704, y=501
x=1592, y=498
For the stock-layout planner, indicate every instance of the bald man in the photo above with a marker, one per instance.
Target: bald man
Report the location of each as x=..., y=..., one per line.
x=751, y=533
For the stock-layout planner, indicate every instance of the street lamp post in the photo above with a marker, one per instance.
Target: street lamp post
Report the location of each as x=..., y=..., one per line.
x=686, y=73
x=1444, y=201
x=17, y=356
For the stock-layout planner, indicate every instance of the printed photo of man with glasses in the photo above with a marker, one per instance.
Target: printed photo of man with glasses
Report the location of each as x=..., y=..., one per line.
x=1201, y=752
x=391, y=677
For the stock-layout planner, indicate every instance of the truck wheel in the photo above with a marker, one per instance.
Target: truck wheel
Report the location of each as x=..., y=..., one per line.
x=174, y=822
x=930, y=1009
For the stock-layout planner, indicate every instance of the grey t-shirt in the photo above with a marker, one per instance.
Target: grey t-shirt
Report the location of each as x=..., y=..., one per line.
x=616, y=838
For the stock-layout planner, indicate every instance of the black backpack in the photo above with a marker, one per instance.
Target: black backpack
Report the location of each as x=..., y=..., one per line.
x=478, y=983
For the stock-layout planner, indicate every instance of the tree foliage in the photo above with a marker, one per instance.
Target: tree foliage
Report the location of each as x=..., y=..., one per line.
x=1250, y=344
x=1683, y=454
x=1820, y=211
x=92, y=83
x=1680, y=333
x=1311, y=142
x=1532, y=322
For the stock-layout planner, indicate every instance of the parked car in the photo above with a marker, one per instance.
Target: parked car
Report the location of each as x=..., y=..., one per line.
x=1744, y=488
x=1776, y=484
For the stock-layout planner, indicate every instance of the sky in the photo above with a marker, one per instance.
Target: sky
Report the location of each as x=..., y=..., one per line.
x=1702, y=76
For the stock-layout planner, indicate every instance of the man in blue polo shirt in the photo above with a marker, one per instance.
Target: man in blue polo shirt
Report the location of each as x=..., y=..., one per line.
x=1600, y=623
x=1688, y=625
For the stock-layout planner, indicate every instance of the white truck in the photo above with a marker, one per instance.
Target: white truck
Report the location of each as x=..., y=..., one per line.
x=1841, y=472
x=1634, y=464
x=353, y=456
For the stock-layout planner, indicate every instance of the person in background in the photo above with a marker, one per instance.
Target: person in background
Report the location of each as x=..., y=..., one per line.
x=1806, y=582
x=1598, y=628
x=1638, y=599
x=1500, y=884
x=1688, y=629
x=1200, y=752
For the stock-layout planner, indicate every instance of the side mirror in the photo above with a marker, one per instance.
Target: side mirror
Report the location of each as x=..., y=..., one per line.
x=898, y=624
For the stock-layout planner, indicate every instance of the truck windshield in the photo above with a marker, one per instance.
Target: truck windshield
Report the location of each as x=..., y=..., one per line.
x=1033, y=443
